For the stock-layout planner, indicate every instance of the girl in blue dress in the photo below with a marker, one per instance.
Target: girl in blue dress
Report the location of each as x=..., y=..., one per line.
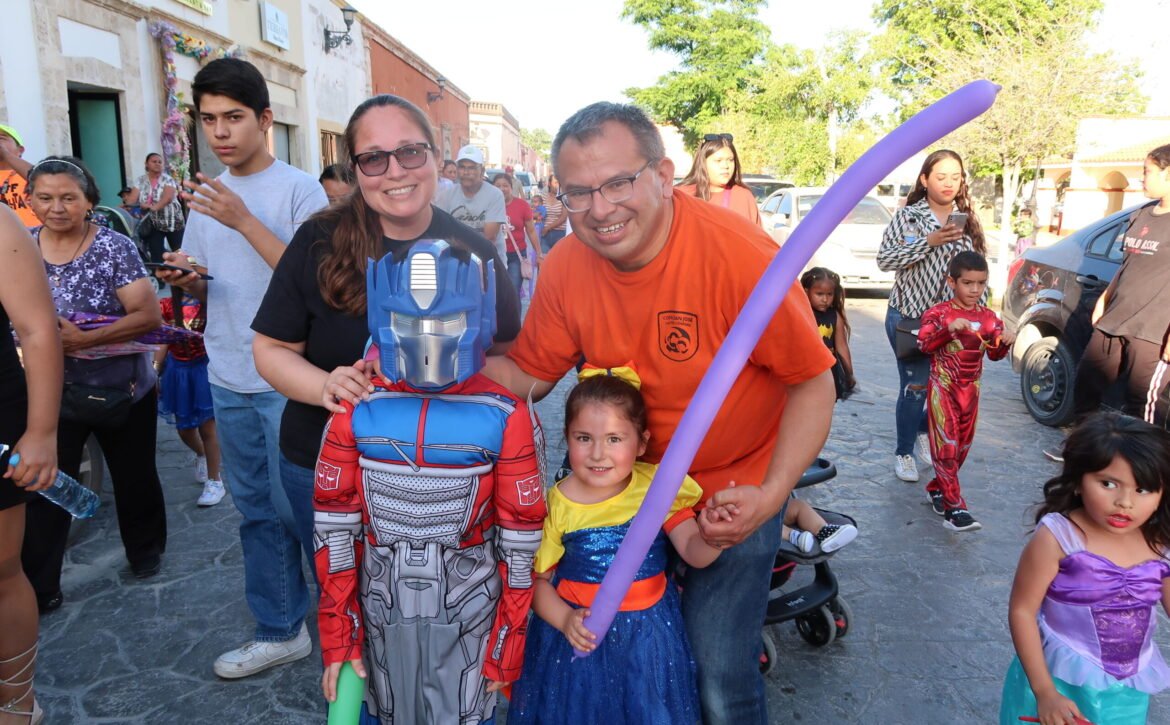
x=642, y=671
x=1081, y=610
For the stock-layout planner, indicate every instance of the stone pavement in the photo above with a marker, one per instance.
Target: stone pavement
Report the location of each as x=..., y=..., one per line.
x=928, y=641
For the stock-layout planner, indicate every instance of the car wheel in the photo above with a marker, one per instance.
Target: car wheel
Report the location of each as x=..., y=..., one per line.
x=1047, y=373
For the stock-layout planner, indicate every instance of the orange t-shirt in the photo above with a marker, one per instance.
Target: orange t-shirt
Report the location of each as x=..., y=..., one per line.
x=740, y=200
x=670, y=317
x=14, y=194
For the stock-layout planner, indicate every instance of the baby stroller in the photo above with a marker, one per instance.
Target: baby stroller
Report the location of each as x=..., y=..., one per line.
x=821, y=615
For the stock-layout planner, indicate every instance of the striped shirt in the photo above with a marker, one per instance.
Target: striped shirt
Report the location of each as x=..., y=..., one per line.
x=921, y=270
x=170, y=217
x=556, y=213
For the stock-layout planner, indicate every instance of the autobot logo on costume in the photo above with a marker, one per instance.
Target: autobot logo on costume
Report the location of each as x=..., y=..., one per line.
x=328, y=476
x=528, y=490
x=678, y=334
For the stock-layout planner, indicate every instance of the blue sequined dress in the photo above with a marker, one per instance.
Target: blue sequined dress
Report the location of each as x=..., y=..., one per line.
x=643, y=671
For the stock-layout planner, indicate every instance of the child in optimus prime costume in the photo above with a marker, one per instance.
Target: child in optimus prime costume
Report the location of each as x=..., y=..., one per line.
x=432, y=487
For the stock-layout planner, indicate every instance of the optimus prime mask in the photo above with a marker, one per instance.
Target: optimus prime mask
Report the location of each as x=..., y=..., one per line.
x=431, y=314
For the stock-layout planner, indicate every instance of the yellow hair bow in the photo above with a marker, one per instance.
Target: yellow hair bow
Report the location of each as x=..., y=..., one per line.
x=625, y=372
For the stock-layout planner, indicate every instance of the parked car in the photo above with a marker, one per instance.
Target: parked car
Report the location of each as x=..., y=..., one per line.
x=763, y=186
x=1049, y=302
x=851, y=249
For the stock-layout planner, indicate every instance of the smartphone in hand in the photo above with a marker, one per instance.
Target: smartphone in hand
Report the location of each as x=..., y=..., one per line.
x=173, y=268
x=958, y=218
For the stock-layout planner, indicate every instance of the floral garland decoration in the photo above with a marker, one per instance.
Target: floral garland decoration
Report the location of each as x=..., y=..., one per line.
x=176, y=145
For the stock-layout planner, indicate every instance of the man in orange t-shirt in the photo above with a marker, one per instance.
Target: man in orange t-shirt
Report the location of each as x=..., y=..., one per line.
x=13, y=172
x=657, y=277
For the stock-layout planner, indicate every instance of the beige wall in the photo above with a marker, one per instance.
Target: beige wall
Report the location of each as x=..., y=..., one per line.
x=245, y=29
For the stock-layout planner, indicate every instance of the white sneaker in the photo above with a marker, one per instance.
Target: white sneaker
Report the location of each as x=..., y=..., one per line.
x=256, y=657
x=923, y=444
x=905, y=469
x=803, y=540
x=213, y=492
x=201, y=469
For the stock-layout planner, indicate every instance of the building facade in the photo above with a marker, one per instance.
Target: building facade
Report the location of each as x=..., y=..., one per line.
x=496, y=132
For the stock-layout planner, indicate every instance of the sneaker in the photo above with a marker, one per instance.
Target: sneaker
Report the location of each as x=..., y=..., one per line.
x=833, y=536
x=201, y=469
x=905, y=469
x=213, y=492
x=961, y=520
x=1054, y=453
x=936, y=502
x=923, y=445
x=803, y=540
x=256, y=657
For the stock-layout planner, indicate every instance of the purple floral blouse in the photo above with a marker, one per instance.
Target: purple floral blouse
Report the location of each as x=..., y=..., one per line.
x=90, y=283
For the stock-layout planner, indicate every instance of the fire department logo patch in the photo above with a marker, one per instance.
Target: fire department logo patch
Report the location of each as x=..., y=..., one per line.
x=528, y=490
x=678, y=334
x=328, y=476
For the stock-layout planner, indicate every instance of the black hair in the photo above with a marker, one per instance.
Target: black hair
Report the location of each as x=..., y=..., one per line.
x=698, y=173
x=824, y=274
x=72, y=167
x=974, y=228
x=449, y=162
x=1160, y=156
x=236, y=79
x=507, y=177
x=966, y=261
x=338, y=172
x=607, y=390
x=586, y=124
x=1092, y=446
x=151, y=154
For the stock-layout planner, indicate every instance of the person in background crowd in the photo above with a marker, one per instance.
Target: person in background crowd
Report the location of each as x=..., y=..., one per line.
x=338, y=181
x=517, y=187
x=129, y=204
x=476, y=204
x=1131, y=320
x=450, y=171
x=158, y=197
x=240, y=223
x=918, y=246
x=639, y=280
x=29, y=426
x=715, y=177
x=13, y=173
x=519, y=228
x=555, y=220
x=96, y=270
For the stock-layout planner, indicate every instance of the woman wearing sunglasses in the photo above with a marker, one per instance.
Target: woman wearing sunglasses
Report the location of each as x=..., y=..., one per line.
x=311, y=326
x=715, y=177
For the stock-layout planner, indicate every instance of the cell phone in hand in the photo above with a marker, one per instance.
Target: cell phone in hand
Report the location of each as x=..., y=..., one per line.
x=958, y=218
x=173, y=268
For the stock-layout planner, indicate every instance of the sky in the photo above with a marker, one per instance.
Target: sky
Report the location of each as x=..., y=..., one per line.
x=545, y=60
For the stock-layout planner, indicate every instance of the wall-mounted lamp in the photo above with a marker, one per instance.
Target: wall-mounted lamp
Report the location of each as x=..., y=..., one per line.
x=432, y=96
x=334, y=38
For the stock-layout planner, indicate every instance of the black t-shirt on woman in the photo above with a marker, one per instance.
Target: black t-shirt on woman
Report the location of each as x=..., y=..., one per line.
x=294, y=311
x=1140, y=305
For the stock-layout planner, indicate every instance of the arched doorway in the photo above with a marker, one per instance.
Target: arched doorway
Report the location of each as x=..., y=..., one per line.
x=1114, y=184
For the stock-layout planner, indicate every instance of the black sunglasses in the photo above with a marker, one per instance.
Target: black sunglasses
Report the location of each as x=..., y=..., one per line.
x=718, y=137
x=409, y=156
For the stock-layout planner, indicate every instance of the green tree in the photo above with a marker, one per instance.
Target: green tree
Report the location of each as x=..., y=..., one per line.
x=537, y=139
x=719, y=44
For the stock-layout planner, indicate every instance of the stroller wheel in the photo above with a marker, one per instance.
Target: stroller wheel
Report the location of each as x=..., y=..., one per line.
x=841, y=615
x=818, y=627
x=768, y=656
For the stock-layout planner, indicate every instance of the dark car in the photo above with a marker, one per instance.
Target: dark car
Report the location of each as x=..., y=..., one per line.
x=1049, y=303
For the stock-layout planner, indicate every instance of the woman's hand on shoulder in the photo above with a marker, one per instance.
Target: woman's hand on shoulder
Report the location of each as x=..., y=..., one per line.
x=350, y=383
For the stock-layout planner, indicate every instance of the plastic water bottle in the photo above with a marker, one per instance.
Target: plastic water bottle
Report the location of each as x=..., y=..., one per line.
x=910, y=232
x=68, y=493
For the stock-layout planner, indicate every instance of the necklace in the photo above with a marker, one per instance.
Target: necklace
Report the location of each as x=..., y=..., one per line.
x=55, y=278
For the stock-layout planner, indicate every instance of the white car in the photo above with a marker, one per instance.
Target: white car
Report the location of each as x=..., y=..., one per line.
x=851, y=249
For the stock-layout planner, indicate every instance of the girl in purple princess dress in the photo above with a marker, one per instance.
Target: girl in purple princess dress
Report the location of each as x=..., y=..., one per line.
x=1082, y=605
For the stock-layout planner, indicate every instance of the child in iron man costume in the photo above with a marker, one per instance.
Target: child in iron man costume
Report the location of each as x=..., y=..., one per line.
x=956, y=334
x=428, y=503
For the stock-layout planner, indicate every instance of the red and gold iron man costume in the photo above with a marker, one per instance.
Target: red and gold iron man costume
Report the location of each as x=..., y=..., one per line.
x=437, y=497
x=952, y=400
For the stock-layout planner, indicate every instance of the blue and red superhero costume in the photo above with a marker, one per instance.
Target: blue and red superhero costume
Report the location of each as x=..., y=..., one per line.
x=952, y=401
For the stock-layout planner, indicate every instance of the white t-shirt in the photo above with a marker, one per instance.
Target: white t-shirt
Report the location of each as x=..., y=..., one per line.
x=281, y=197
x=485, y=207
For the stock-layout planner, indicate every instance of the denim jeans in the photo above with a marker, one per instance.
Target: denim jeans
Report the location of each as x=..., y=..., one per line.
x=298, y=483
x=274, y=583
x=549, y=239
x=515, y=274
x=910, y=411
x=723, y=608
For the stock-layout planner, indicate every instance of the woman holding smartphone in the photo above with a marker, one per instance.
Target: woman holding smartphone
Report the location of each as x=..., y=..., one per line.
x=936, y=224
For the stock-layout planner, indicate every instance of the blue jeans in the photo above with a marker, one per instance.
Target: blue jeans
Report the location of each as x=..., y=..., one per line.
x=274, y=584
x=298, y=483
x=515, y=274
x=549, y=239
x=910, y=411
x=723, y=607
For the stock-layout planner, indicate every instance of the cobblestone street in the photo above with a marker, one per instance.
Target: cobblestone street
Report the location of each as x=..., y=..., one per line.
x=928, y=641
